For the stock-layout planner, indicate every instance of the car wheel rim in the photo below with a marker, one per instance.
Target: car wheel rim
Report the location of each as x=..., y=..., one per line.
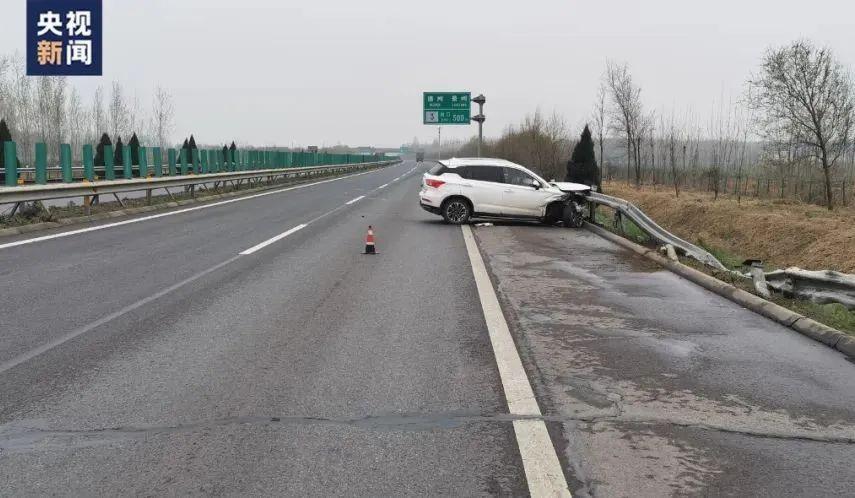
x=456, y=212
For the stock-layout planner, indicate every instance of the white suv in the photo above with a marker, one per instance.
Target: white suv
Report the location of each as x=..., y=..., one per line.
x=460, y=189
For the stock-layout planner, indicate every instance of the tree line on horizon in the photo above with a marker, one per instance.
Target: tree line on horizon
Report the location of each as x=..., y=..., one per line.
x=790, y=135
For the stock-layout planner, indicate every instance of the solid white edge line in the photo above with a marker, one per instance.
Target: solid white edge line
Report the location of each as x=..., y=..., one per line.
x=348, y=203
x=272, y=240
x=172, y=213
x=540, y=460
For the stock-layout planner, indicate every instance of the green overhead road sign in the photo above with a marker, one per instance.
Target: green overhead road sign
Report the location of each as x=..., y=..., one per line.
x=451, y=108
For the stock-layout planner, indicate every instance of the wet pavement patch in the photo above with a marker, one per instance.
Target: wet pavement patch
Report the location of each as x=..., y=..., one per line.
x=665, y=371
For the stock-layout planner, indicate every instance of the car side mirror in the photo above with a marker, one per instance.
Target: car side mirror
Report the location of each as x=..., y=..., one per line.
x=535, y=184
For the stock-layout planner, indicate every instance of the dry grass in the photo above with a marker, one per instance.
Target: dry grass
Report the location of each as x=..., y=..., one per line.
x=781, y=233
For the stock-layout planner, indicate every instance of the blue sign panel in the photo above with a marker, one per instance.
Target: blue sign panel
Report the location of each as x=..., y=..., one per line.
x=64, y=37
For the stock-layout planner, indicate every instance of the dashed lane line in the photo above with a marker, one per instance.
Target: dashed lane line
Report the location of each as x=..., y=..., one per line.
x=170, y=213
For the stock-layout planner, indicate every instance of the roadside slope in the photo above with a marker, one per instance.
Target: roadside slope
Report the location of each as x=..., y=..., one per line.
x=780, y=233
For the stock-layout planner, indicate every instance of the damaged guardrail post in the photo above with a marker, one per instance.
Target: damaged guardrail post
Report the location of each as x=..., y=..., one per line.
x=758, y=276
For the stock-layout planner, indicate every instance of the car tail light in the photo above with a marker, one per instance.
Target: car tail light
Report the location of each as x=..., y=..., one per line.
x=430, y=182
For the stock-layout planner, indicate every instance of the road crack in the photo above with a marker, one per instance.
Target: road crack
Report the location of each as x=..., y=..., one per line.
x=26, y=438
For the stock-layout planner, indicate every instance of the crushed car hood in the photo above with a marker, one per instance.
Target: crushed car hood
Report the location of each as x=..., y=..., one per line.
x=571, y=187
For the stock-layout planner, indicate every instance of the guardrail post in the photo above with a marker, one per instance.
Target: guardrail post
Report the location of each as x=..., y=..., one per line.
x=157, y=161
x=10, y=158
x=170, y=156
x=65, y=162
x=127, y=163
x=109, y=171
x=41, y=163
x=143, y=162
x=88, y=163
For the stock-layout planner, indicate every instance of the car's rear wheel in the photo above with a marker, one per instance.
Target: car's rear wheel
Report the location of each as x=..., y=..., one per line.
x=456, y=211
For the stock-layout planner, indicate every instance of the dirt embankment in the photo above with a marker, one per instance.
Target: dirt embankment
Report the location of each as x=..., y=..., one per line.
x=780, y=233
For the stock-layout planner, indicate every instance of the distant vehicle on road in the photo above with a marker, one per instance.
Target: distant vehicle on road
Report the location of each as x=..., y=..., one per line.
x=459, y=189
x=420, y=156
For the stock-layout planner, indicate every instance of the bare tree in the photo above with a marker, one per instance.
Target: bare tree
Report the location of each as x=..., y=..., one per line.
x=162, y=114
x=98, y=117
x=118, y=111
x=626, y=111
x=804, y=89
x=76, y=119
x=600, y=121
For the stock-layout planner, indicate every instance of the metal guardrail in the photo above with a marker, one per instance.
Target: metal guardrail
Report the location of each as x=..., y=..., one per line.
x=822, y=287
x=659, y=234
x=31, y=193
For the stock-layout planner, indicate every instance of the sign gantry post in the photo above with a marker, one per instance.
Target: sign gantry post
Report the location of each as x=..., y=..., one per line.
x=480, y=118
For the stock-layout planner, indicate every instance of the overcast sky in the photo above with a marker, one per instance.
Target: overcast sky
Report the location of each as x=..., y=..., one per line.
x=281, y=71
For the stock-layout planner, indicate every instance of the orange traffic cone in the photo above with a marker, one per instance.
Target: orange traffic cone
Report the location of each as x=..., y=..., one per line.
x=369, y=241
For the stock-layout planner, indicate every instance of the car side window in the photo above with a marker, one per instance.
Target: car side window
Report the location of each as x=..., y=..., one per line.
x=486, y=173
x=514, y=176
x=462, y=172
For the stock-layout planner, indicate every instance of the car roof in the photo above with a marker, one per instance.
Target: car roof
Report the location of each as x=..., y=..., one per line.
x=456, y=162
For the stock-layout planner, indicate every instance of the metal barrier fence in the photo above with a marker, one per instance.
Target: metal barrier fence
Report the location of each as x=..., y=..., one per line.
x=150, y=163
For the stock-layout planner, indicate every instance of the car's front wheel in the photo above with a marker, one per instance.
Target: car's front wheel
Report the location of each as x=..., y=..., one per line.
x=572, y=217
x=456, y=211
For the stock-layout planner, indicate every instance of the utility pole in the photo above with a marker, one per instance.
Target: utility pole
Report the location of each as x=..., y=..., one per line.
x=439, y=143
x=480, y=118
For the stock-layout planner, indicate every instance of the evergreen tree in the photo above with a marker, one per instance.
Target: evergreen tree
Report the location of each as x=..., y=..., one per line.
x=582, y=167
x=117, y=156
x=99, y=149
x=225, y=152
x=233, y=147
x=134, y=144
x=191, y=145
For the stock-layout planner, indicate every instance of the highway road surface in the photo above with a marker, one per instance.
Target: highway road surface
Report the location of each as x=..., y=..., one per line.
x=247, y=347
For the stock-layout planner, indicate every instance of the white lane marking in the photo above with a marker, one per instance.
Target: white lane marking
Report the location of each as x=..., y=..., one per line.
x=170, y=213
x=348, y=203
x=383, y=186
x=9, y=364
x=540, y=461
x=272, y=240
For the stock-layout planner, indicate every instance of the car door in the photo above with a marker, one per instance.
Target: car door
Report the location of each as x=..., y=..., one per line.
x=520, y=197
x=483, y=185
